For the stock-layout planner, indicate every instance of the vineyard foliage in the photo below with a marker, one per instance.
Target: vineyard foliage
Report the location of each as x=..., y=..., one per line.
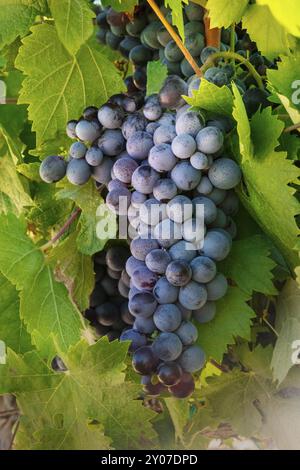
x=51, y=68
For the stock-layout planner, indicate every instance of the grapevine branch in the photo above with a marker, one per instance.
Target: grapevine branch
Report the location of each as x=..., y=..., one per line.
x=233, y=55
x=175, y=37
x=63, y=229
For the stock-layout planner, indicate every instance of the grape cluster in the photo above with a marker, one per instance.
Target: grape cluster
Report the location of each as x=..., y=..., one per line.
x=143, y=38
x=172, y=165
x=108, y=312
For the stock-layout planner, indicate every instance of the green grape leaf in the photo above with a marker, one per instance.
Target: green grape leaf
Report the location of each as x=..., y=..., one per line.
x=44, y=302
x=121, y=5
x=97, y=223
x=180, y=413
x=16, y=18
x=288, y=328
x=223, y=13
x=212, y=98
x=232, y=320
x=286, y=13
x=11, y=185
x=285, y=83
x=92, y=387
x=47, y=213
x=12, y=329
x=176, y=7
x=267, y=173
x=57, y=146
x=75, y=270
x=249, y=265
x=156, y=75
x=30, y=171
x=73, y=21
x=12, y=120
x=235, y=396
x=59, y=85
x=271, y=37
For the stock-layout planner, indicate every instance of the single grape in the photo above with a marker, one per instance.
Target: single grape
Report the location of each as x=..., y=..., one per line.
x=203, y=269
x=113, y=274
x=52, y=169
x=192, y=359
x=149, y=35
x=136, y=26
x=106, y=314
x=187, y=333
x=137, y=199
x=126, y=315
x=144, y=279
x=186, y=68
x=163, y=37
x=190, y=123
x=164, y=189
x=116, y=257
x=144, y=179
x=88, y=131
x=194, y=12
x=216, y=245
x=94, y=156
x=164, y=134
x=183, y=251
x=137, y=339
x=208, y=206
x=132, y=264
x=217, y=288
x=144, y=325
x=209, y=140
x=144, y=360
x=101, y=19
x=152, y=109
x=204, y=187
x=167, y=119
x=167, y=317
x=102, y=172
x=139, y=144
x=101, y=36
x=78, y=172
x=194, y=42
x=140, y=247
x=217, y=195
x=140, y=78
x=71, y=129
x=205, y=313
x=180, y=208
x=140, y=55
x=184, y=388
x=192, y=295
x=167, y=233
x=185, y=176
x=110, y=286
x=200, y=161
x=151, y=127
x=161, y=158
x=193, y=27
x=112, y=40
x=111, y=142
x=169, y=373
x=172, y=52
x=206, y=52
x=115, y=184
x=115, y=18
x=157, y=260
x=170, y=95
x=178, y=273
x=183, y=146
x=164, y=292
x=124, y=168
x=90, y=113
x=142, y=304
x=111, y=116
x=118, y=200
x=167, y=347
x=225, y=173
x=132, y=124
x=78, y=150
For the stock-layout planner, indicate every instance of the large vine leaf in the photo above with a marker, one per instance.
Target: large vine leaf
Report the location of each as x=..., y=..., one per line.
x=93, y=390
x=233, y=320
x=271, y=37
x=12, y=329
x=97, y=223
x=44, y=303
x=73, y=21
x=267, y=174
x=250, y=266
x=16, y=18
x=75, y=270
x=288, y=328
x=223, y=13
x=59, y=85
x=286, y=13
x=284, y=82
x=212, y=98
x=121, y=5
